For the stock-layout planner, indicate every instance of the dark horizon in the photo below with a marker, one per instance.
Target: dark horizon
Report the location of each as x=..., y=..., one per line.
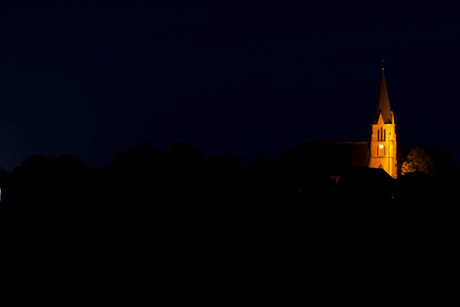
x=95, y=78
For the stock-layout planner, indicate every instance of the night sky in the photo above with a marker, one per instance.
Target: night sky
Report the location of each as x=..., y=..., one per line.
x=94, y=78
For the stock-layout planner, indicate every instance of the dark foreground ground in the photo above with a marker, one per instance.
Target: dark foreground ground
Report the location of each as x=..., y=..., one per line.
x=224, y=254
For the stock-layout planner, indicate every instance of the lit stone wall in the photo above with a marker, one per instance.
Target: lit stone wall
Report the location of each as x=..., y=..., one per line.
x=383, y=147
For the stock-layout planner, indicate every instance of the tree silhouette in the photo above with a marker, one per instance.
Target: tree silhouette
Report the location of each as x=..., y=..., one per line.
x=261, y=164
x=442, y=161
x=225, y=180
x=136, y=177
x=29, y=181
x=185, y=174
x=418, y=161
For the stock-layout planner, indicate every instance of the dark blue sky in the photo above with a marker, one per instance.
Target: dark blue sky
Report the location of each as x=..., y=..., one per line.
x=241, y=77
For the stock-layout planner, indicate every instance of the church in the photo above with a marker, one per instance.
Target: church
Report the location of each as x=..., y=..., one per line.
x=374, y=160
x=383, y=140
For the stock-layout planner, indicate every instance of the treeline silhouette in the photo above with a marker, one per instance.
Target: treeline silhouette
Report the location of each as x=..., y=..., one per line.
x=148, y=179
x=144, y=176
x=180, y=217
x=147, y=199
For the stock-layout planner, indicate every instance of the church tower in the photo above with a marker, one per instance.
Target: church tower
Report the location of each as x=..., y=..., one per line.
x=383, y=140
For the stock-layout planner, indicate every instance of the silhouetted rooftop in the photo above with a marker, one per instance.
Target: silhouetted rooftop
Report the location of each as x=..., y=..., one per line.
x=327, y=158
x=367, y=176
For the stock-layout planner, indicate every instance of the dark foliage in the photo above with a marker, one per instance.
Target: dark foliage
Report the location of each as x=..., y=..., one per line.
x=146, y=181
x=179, y=217
x=39, y=182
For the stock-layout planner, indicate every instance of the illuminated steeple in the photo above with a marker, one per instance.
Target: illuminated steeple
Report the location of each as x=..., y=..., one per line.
x=383, y=102
x=383, y=140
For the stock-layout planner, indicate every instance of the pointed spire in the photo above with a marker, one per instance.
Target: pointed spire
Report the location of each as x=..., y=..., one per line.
x=383, y=102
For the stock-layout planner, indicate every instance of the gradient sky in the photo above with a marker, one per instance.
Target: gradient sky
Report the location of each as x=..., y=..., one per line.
x=93, y=78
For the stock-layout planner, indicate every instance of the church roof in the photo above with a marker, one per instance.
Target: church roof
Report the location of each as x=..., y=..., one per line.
x=326, y=158
x=383, y=103
x=367, y=176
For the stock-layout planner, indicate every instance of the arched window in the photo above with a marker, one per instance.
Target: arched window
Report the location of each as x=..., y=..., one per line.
x=380, y=150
